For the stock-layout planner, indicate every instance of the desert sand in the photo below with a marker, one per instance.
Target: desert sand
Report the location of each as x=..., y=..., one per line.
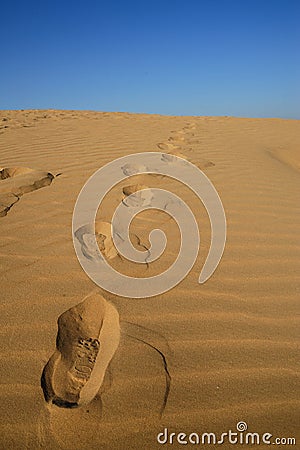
x=199, y=358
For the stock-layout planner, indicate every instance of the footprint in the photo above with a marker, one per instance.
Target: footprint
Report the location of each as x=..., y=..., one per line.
x=87, y=339
x=190, y=126
x=176, y=138
x=6, y=202
x=135, y=198
x=167, y=146
x=16, y=181
x=131, y=189
x=203, y=164
x=133, y=169
x=61, y=426
x=173, y=158
x=178, y=133
x=104, y=240
x=10, y=172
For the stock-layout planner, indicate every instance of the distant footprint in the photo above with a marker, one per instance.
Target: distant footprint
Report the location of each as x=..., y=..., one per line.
x=167, y=146
x=17, y=181
x=133, y=169
x=193, y=141
x=173, y=157
x=190, y=126
x=131, y=189
x=204, y=164
x=87, y=339
x=177, y=138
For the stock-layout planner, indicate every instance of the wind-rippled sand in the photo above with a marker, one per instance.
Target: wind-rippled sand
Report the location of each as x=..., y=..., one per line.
x=231, y=345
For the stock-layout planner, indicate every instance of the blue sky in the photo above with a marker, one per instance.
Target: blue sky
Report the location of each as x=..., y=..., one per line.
x=187, y=57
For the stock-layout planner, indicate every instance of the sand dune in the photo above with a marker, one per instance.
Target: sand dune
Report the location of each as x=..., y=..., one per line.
x=195, y=359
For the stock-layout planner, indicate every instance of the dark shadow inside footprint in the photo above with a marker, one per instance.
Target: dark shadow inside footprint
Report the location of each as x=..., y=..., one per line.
x=63, y=404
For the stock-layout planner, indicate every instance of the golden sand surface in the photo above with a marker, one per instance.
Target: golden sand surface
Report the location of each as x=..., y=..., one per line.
x=231, y=344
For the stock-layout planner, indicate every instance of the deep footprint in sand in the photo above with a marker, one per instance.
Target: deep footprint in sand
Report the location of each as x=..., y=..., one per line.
x=17, y=181
x=6, y=202
x=132, y=188
x=60, y=426
x=137, y=195
x=87, y=339
x=104, y=240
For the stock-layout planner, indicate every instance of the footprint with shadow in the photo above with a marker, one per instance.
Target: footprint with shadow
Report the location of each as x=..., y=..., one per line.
x=87, y=341
x=17, y=181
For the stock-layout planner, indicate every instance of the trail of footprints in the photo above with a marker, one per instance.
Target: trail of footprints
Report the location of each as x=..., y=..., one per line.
x=81, y=341
x=180, y=143
x=135, y=196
